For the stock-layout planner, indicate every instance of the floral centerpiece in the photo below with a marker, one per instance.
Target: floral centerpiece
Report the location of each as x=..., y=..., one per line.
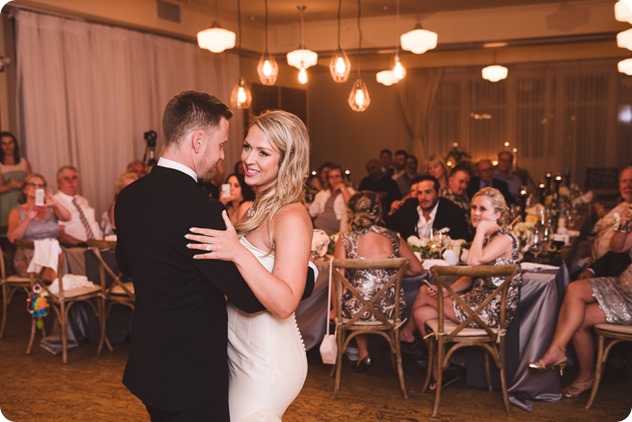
x=320, y=243
x=523, y=232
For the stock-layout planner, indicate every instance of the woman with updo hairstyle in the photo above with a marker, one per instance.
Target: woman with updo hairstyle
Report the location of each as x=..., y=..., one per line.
x=365, y=239
x=493, y=244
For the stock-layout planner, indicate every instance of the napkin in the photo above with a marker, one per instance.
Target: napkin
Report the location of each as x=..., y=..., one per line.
x=428, y=263
x=584, y=199
x=532, y=266
x=110, y=238
x=71, y=281
x=45, y=254
x=450, y=257
x=320, y=242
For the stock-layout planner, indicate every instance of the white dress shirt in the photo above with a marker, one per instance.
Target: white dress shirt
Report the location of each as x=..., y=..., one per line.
x=74, y=227
x=424, y=227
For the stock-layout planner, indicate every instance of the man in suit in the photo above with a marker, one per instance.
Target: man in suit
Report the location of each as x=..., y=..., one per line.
x=485, y=178
x=177, y=363
x=380, y=182
x=418, y=216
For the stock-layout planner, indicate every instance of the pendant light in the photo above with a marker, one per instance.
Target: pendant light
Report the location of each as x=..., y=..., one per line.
x=625, y=66
x=494, y=72
x=268, y=69
x=240, y=97
x=418, y=40
x=302, y=58
x=340, y=67
x=216, y=39
x=359, y=99
x=623, y=11
x=624, y=39
x=385, y=77
x=399, y=71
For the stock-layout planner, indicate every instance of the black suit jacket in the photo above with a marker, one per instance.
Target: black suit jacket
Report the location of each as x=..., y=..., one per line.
x=177, y=359
x=405, y=219
x=475, y=185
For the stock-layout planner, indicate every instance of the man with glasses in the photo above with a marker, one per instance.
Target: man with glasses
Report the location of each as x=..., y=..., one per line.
x=83, y=225
x=485, y=178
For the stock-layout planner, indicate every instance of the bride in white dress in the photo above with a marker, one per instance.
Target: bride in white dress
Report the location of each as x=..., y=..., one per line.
x=270, y=247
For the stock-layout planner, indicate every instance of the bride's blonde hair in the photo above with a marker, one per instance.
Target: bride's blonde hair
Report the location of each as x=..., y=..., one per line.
x=288, y=134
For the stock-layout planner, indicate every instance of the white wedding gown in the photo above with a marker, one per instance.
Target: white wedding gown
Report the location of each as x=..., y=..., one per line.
x=266, y=360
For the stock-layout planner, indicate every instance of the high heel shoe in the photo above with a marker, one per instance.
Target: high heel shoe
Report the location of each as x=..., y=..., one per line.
x=576, y=389
x=539, y=365
x=362, y=365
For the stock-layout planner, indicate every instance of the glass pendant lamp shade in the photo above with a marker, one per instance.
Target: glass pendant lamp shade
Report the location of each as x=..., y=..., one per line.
x=418, y=40
x=623, y=11
x=624, y=39
x=359, y=99
x=625, y=66
x=302, y=58
x=216, y=39
x=494, y=73
x=241, y=97
x=268, y=69
x=385, y=77
x=340, y=67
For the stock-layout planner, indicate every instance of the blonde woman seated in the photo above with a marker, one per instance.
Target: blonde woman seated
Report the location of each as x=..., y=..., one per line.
x=366, y=239
x=240, y=198
x=32, y=222
x=436, y=166
x=587, y=303
x=123, y=180
x=493, y=244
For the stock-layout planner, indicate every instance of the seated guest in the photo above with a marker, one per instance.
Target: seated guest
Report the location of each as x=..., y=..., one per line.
x=410, y=172
x=428, y=212
x=485, y=178
x=493, y=244
x=504, y=171
x=365, y=239
x=137, y=167
x=381, y=183
x=82, y=224
x=604, y=227
x=436, y=166
x=32, y=222
x=319, y=182
x=587, y=303
x=108, y=225
x=329, y=206
x=399, y=162
x=386, y=161
x=240, y=198
x=457, y=188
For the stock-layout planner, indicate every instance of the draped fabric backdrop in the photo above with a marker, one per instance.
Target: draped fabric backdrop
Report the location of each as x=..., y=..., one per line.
x=559, y=115
x=87, y=93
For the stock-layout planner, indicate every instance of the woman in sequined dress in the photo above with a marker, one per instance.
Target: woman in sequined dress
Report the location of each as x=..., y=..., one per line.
x=587, y=303
x=368, y=240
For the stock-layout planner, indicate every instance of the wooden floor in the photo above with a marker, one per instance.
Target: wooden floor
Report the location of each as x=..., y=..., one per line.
x=39, y=387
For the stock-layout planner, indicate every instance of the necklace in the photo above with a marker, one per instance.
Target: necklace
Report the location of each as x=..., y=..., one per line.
x=251, y=212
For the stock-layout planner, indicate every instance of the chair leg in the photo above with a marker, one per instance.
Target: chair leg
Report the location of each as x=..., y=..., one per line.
x=64, y=336
x=439, y=359
x=400, y=369
x=601, y=359
x=338, y=365
x=5, y=304
x=33, y=330
x=431, y=346
x=103, y=317
x=488, y=378
x=503, y=382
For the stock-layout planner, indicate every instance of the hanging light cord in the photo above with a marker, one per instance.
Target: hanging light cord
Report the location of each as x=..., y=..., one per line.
x=339, y=16
x=397, y=32
x=302, y=9
x=359, y=36
x=239, y=24
x=266, y=6
x=216, y=11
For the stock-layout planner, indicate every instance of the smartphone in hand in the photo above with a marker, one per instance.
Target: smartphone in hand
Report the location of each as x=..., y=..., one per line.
x=226, y=190
x=40, y=197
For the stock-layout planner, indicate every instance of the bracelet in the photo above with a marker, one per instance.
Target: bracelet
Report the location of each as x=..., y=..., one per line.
x=625, y=229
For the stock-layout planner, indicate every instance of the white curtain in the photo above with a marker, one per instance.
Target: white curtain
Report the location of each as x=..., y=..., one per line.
x=559, y=115
x=417, y=94
x=88, y=92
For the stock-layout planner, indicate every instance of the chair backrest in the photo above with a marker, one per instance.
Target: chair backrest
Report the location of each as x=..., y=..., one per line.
x=369, y=305
x=108, y=278
x=472, y=315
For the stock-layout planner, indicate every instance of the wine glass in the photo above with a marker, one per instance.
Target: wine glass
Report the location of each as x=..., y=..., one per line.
x=537, y=244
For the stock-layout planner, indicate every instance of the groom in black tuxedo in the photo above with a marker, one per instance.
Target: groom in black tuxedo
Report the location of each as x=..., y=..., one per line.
x=177, y=363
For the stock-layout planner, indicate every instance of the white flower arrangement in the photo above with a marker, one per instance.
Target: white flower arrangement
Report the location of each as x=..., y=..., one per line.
x=320, y=242
x=523, y=232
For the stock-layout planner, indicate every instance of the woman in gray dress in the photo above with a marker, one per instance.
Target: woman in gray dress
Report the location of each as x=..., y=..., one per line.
x=587, y=303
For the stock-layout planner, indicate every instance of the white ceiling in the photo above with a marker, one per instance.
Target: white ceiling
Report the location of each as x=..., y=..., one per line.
x=286, y=11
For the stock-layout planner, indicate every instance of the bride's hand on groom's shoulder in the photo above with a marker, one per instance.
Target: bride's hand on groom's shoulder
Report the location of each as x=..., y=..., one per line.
x=215, y=244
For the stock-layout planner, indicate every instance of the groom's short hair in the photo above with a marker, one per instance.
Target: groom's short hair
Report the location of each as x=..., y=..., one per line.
x=192, y=110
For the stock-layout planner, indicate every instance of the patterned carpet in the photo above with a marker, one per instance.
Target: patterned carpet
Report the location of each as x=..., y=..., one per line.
x=88, y=388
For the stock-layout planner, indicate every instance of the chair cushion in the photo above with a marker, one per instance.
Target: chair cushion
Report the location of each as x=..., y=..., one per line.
x=449, y=326
x=615, y=328
x=118, y=290
x=16, y=279
x=368, y=323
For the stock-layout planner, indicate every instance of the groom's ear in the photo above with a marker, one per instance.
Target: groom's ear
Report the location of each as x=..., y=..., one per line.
x=197, y=140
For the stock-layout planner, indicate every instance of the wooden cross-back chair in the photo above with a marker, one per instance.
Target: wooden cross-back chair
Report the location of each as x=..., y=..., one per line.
x=607, y=336
x=62, y=301
x=115, y=291
x=10, y=285
x=387, y=328
x=444, y=331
